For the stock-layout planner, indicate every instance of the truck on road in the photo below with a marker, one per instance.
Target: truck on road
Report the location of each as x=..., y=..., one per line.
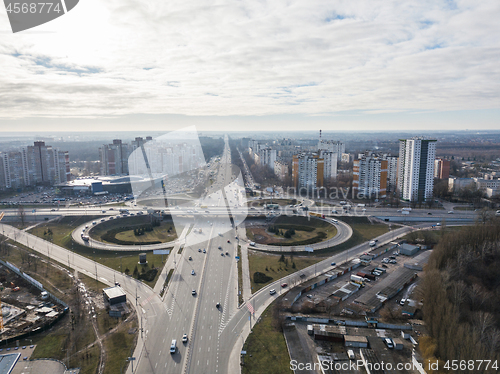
x=319, y=215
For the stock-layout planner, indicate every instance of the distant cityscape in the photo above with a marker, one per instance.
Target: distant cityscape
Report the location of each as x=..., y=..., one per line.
x=410, y=175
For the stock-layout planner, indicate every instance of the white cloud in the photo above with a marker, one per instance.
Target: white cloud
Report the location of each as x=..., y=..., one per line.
x=112, y=58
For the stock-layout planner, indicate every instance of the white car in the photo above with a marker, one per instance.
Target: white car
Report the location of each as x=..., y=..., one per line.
x=272, y=292
x=184, y=338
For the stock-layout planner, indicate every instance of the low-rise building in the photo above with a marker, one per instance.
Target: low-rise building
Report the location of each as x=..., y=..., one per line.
x=114, y=295
x=355, y=341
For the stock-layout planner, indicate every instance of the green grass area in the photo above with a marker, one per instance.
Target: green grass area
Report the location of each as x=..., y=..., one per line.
x=266, y=348
x=271, y=265
x=54, y=280
x=106, y=323
x=240, y=278
x=307, y=231
x=158, y=234
x=167, y=279
x=120, y=261
x=119, y=346
x=362, y=230
x=50, y=345
x=123, y=230
x=55, y=343
x=428, y=237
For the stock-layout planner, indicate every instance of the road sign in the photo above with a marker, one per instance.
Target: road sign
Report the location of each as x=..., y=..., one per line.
x=161, y=251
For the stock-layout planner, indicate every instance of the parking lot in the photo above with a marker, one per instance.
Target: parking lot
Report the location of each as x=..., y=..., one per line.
x=392, y=283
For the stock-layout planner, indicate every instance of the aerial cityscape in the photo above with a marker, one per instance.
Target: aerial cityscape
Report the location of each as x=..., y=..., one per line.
x=249, y=187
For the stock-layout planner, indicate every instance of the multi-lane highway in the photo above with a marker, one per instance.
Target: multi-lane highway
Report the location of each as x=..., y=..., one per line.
x=205, y=274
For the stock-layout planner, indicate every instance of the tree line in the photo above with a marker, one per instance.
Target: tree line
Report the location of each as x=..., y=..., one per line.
x=461, y=293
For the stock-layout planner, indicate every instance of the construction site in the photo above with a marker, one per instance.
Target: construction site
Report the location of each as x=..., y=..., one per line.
x=26, y=309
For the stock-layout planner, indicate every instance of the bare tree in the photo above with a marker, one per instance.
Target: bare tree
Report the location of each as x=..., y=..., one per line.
x=484, y=215
x=22, y=214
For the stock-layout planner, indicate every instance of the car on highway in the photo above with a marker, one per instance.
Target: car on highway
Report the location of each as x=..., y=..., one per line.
x=192, y=272
x=173, y=346
x=199, y=249
x=222, y=254
x=193, y=292
x=190, y=258
x=217, y=305
x=184, y=338
x=272, y=292
x=219, y=247
x=229, y=241
x=450, y=212
x=284, y=285
x=204, y=250
x=334, y=263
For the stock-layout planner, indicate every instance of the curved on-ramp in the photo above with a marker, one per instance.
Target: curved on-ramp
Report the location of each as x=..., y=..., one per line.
x=344, y=233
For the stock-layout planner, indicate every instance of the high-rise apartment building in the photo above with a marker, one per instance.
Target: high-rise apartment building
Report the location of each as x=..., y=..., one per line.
x=47, y=165
x=332, y=146
x=370, y=176
x=13, y=170
x=307, y=171
x=416, y=168
x=114, y=158
x=266, y=157
x=330, y=163
x=38, y=164
x=281, y=169
x=441, y=168
x=392, y=172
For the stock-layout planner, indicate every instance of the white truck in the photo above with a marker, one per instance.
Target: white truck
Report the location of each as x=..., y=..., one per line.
x=357, y=279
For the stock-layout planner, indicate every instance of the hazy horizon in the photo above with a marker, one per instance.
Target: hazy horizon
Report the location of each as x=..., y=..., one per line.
x=336, y=66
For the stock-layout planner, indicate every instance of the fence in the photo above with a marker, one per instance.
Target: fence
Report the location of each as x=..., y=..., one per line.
x=32, y=281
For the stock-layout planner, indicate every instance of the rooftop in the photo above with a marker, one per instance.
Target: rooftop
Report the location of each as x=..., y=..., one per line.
x=113, y=292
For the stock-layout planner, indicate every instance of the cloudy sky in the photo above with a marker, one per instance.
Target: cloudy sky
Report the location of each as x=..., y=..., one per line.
x=255, y=64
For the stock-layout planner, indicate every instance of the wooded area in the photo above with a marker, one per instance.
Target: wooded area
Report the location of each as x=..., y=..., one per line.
x=461, y=292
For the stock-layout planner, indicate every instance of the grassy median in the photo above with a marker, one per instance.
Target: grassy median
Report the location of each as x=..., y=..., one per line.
x=266, y=348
